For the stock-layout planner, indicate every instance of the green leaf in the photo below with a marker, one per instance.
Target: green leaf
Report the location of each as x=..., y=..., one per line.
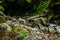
x=0, y=1
x=44, y=5
x=1, y=8
x=29, y=1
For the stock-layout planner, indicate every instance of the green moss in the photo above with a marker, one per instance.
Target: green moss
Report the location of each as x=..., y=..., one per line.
x=16, y=28
x=23, y=33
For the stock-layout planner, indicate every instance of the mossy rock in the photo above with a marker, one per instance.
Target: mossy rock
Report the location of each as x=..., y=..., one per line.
x=2, y=19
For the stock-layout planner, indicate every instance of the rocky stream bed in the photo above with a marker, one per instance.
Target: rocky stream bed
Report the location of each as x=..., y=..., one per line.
x=20, y=29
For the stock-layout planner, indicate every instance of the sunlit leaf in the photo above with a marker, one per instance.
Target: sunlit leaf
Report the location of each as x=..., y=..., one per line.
x=0, y=1
x=29, y=1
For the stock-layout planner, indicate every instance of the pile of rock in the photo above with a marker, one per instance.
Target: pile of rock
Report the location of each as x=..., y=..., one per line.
x=44, y=33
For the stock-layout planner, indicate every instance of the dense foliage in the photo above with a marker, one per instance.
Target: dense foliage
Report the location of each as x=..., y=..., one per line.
x=24, y=7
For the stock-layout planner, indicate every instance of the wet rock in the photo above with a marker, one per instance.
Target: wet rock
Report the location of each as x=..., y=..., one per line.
x=52, y=25
x=6, y=26
x=58, y=35
x=46, y=37
x=56, y=27
x=5, y=29
x=27, y=38
x=9, y=22
x=58, y=30
x=51, y=30
x=14, y=19
x=40, y=38
x=44, y=29
x=40, y=25
x=22, y=20
x=16, y=23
